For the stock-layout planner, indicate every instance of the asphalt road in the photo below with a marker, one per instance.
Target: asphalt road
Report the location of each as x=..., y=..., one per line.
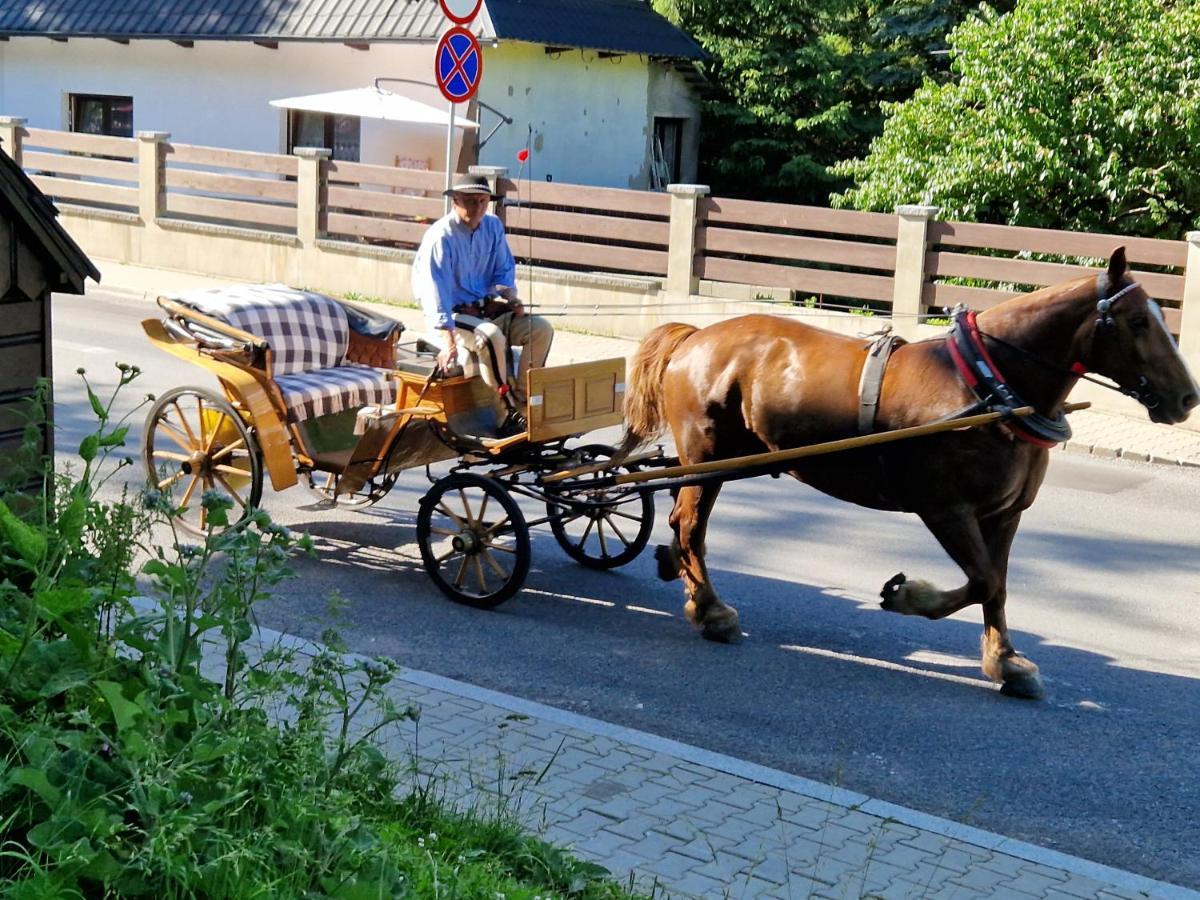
x=1102, y=595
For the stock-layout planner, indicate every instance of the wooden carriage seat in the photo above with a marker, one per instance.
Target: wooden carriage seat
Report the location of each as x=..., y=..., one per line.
x=314, y=342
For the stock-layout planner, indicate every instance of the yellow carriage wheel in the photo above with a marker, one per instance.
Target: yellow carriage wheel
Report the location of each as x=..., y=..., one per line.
x=195, y=441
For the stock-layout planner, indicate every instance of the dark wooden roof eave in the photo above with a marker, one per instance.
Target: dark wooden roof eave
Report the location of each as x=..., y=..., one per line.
x=41, y=218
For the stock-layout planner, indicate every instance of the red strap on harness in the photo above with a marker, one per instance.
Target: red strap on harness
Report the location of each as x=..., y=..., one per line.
x=969, y=376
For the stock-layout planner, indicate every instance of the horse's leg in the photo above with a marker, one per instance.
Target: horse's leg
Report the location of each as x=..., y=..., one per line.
x=1017, y=675
x=704, y=608
x=670, y=564
x=981, y=551
x=962, y=538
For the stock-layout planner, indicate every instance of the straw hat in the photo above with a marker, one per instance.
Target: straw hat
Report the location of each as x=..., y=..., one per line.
x=471, y=184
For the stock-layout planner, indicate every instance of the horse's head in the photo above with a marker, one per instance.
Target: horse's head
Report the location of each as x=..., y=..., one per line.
x=1130, y=344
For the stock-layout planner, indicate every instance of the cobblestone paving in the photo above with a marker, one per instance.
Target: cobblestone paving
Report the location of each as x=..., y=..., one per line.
x=688, y=823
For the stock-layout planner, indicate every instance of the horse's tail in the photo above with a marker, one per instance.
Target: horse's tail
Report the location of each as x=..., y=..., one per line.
x=644, y=414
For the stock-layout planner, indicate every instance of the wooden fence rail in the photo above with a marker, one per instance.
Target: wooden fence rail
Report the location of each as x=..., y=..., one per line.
x=909, y=264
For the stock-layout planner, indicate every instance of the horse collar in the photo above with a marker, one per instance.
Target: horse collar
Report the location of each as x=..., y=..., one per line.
x=977, y=369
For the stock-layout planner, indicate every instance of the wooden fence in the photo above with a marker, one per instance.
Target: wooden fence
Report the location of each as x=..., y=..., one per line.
x=908, y=264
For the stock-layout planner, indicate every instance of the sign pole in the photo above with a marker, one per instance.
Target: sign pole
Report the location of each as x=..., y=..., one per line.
x=449, y=157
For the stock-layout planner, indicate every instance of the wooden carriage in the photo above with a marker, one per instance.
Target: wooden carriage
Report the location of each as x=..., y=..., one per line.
x=323, y=392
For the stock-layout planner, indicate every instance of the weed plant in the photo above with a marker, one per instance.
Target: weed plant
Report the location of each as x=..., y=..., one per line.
x=143, y=753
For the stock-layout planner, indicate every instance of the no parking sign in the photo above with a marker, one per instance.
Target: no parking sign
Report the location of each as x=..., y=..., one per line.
x=458, y=65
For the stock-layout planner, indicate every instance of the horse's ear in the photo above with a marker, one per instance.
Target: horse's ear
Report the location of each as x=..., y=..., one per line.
x=1117, y=266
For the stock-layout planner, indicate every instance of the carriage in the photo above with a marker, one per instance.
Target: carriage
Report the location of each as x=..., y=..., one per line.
x=323, y=391
x=318, y=391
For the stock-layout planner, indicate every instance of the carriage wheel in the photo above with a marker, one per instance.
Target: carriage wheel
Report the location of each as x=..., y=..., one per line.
x=323, y=486
x=601, y=537
x=474, y=540
x=195, y=441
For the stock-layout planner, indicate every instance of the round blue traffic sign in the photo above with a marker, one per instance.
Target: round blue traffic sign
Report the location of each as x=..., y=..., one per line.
x=458, y=65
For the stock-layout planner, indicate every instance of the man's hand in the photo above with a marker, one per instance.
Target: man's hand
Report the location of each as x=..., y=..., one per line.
x=509, y=293
x=449, y=355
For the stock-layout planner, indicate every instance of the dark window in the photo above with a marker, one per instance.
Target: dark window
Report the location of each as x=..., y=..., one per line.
x=341, y=134
x=668, y=150
x=102, y=114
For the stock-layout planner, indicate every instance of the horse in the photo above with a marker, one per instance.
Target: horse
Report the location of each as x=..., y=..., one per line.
x=760, y=383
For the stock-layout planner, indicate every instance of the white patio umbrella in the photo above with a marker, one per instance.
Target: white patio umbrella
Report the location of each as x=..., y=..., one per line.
x=375, y=103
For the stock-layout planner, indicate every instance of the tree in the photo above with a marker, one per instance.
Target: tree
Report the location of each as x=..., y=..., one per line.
x=797, y=86
x=1064, y=113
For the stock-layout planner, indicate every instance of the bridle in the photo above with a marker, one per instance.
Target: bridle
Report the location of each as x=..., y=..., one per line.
x=981, y=375
x=1107, y=325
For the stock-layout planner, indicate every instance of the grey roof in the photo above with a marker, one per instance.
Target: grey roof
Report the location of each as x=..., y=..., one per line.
x=626, y=26
x=22, y=201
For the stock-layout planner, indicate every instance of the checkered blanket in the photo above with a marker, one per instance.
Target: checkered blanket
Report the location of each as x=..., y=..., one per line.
x=308, y=334
x=306, y=330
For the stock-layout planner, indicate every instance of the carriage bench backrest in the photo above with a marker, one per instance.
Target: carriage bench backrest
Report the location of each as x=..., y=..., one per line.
x=306, y=331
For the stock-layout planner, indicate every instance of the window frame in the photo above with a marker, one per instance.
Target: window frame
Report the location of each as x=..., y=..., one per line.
x=76, y=100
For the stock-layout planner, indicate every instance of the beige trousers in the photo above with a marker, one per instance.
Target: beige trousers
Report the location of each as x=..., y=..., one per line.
x=532, y=334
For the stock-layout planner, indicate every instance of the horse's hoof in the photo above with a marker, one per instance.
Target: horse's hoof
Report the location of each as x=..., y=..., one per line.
x=1024, y=687
x=668, y=568
x=724, y=629
x=891, y=591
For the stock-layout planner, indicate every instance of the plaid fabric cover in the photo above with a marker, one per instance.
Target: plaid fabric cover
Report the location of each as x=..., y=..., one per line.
x=307, y=331
x=311, y=394
x=309, y=335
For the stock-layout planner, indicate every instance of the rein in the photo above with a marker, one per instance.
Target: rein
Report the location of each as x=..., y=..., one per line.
x=977, y=369
x=1105, y=324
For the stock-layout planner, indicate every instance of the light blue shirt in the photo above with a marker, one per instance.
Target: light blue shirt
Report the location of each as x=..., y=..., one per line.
x=456, y=265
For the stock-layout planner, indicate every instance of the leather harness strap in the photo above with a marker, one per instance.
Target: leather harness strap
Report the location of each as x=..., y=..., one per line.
x=871, y=380
x=980, y=374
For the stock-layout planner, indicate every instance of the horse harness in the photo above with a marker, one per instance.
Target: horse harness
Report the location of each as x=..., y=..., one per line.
x=979, y=372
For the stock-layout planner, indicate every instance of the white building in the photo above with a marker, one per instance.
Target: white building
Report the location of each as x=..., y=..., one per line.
x=603, y=92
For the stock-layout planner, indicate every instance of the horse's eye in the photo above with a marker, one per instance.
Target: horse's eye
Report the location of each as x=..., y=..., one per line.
x=1139, y=323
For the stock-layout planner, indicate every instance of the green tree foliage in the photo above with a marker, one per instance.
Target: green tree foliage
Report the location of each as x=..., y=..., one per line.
x=798, y=86
x=1065, y=113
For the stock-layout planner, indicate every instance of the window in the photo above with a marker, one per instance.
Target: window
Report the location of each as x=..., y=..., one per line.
x=341, y=134
x=102, y=114
x=668, y=151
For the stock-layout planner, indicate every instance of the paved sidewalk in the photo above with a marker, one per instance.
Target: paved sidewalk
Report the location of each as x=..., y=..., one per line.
x=687, y=822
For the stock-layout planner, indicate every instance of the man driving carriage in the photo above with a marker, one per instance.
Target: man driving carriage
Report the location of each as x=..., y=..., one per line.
x=464, y=276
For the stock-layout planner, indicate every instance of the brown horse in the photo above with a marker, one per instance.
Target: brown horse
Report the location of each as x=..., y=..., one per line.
x=763, y=383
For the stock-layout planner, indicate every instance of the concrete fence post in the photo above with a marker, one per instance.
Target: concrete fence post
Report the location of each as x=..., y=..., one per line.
x=681, y=250
x=310, y=193
x=152, y=175
x=1189, y=327
x=12, y=131
x=494, y=175
x=908, y=284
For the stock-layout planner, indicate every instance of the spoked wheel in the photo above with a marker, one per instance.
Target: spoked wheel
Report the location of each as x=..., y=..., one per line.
x=195, y=441
x=474, y=540
x=323, y=486
x=599, y=534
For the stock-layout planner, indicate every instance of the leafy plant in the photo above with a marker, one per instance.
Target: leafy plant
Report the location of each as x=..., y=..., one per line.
x=1081, y=114
x=148, y=747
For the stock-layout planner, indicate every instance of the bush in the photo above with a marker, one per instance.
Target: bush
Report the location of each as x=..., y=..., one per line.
x=1064, y=114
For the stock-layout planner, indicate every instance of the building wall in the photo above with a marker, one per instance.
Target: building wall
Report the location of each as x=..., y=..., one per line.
x=585, y=117
x=588, y=118
x=672, y=98
x=217, y=93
